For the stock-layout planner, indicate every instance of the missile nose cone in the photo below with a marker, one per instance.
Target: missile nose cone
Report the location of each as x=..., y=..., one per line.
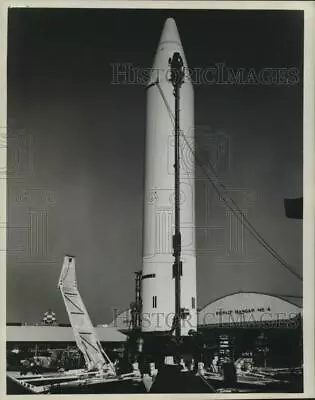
x=169, y=44
x=170, y=33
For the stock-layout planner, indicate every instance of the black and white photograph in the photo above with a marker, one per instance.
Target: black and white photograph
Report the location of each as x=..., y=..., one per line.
x=154, y=200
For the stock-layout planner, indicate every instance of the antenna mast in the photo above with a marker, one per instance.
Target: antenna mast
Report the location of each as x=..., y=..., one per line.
x=177, y=79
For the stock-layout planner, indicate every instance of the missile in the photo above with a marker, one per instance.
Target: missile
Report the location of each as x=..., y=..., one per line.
x=158, y=283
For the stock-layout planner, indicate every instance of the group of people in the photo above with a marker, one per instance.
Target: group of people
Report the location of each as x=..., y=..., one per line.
x=30, y=365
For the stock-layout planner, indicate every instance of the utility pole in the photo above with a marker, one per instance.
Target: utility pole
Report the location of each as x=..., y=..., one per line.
x=177, y=79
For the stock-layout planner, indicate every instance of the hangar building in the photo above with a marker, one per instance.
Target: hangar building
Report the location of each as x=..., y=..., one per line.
x=267, y=326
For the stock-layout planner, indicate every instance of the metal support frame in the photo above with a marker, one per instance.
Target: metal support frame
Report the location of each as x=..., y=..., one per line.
x=177, y=79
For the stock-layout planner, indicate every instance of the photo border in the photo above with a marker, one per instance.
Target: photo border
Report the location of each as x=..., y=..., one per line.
x=308, y=178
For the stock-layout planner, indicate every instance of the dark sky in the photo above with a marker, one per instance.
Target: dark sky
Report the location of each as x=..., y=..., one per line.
x=76, y=153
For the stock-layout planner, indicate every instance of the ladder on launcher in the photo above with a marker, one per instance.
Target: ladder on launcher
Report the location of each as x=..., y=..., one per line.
x=95, y=357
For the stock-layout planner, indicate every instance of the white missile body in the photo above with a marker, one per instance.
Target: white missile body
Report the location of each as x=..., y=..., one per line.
x=158, y=284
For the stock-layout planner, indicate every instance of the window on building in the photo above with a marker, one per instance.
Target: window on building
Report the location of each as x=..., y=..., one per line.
x=154, y=301
x=193, y=303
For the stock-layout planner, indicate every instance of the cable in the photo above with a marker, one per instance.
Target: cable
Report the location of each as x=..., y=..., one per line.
x=226, y=196
x=243, y=219
x=247, y=221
